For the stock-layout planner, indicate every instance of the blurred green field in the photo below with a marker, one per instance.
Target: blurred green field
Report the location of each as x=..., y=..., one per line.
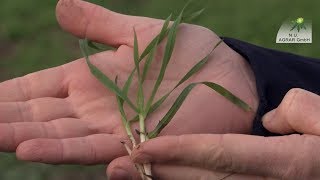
x=31, y=40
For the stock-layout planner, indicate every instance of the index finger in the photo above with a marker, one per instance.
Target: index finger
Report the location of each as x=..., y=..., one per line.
x=87, y=20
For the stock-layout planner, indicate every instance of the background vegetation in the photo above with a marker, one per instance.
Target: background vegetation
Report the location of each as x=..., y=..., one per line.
x=31, y=40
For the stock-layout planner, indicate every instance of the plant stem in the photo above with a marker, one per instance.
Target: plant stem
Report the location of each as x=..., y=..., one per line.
x=143, y=138
x=142, y=128
x=139, y=167
x=129, y=133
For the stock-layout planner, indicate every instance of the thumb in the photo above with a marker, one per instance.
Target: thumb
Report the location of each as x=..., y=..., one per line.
x=277, y=157
x=298, y=112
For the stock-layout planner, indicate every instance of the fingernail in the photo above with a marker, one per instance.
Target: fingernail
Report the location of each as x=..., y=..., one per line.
x=141, y=158
x=119, y=174
x=269, y=117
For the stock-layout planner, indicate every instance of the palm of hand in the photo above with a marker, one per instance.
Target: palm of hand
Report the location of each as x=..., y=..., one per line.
x=77, y=117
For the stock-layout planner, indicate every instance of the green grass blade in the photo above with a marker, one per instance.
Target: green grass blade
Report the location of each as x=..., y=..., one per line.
x=126, y=86
x=157, y=39
x=191, y=72
x=157, y=104
x=108, y=83
x=170, y=43
x=165, y=29
x=161, y=36
x=136, y=52
x=148, y=62
x=124, y=119
x=198, y=66
x=194, y=70
x=193, y=16
x=181, y=98
x=140, y=98
x=172, y=111
x=120, y=106
x=148, y=49
x=153, y=108
x=135, y=119
x=167, y=56
x=152, y=47
x=228, y=95
x=93, y=46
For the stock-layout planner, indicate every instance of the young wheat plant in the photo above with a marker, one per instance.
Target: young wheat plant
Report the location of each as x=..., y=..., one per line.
x=143, y=109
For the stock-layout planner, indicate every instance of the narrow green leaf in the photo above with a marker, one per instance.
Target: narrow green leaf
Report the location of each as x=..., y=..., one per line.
x=135, y=119
x=228, y=95
x=181, y=98
x=148, y=49
x=157, y=104
x=136, y=52
x=198, y=66
x=148, y=62
x=166, y=58
x=193, y=16
x=195, y=69
x=140, y=98
x=164, y=31
x=190, y=73
x=121, y=101
x=108, y=83
x=124, y=119
x=120, y=106
x=157, y=39
x=170, y=43
x=172, y=111
x=93, y=46
x=126, y=86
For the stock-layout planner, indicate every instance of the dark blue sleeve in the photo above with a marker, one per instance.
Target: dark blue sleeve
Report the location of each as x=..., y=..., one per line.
x=276, y=73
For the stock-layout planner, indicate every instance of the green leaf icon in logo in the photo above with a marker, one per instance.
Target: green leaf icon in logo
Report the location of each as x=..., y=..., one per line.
x=298, y=24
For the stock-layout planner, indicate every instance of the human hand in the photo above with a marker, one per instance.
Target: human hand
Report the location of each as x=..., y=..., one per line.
x=64, y=115
x=234, y=156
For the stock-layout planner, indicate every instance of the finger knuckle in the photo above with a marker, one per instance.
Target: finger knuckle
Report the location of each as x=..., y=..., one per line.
x=25, y=86
x=31, y=111
x=290, y=106
x=217, y=158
